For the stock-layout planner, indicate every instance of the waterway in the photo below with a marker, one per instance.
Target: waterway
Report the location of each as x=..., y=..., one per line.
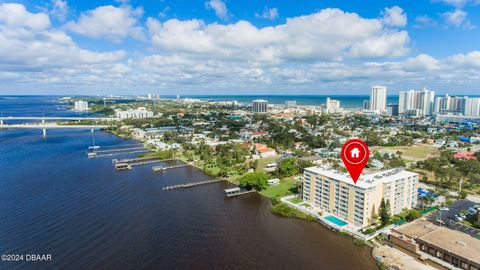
x=54, y=200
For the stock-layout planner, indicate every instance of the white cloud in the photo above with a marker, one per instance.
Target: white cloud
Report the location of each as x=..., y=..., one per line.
x=325, y=51
x=457, y=18
x=219, y=7
x=394, y=16
x=330, y=34
x=455, y=3
x=424, y=21
x=469, y=60
x=33, y=53
x=421, y=62
x=268, y=13
x=15, y=15
x=59, y=9
x=109, y=22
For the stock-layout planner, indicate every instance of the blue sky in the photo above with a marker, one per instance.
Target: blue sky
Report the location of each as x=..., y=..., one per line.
x=238, y=47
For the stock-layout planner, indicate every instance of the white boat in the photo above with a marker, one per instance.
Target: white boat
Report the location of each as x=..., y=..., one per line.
x=92, y=155
x=159, y=168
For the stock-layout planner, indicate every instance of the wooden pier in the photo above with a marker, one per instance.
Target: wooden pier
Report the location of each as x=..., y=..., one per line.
x=140, y=159
x=120, y=153
x=187, y=185
x=119, y=150
x=164, y=168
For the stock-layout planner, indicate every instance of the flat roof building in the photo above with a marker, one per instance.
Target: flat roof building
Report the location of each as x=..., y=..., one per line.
x=335, y=192
x=454, y=247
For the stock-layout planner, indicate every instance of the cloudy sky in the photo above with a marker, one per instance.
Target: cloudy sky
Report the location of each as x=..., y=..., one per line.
x=234, y=47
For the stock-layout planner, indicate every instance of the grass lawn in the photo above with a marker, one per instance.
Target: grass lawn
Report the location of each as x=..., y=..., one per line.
x=160, y=154
x=281, y=189
x=262, y=163
x=412, y=152
x=295, y=200
x=284, y=210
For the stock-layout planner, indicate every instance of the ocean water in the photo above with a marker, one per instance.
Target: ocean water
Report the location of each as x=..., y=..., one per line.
x=54, y=200
x=316, y=100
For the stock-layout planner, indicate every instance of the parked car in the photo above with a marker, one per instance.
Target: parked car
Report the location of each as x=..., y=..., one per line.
x=458, y=218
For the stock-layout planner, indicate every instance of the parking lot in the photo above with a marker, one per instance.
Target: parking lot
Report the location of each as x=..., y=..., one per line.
x=448, y=217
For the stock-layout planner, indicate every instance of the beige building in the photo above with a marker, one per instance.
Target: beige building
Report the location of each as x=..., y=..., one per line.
x=335, y=192
x=451, y=246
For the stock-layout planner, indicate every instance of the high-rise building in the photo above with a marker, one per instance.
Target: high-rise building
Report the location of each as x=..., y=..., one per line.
x=81, y=105
x=392, y=109
x=449, y=105
x=416, y=100
x=366, y=105
x=472, y=107
x=332, y=105
x=259, y=106
x=378, y=98
x=335, y=192
x=153, y=96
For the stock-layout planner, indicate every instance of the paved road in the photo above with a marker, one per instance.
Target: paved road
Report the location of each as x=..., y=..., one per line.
x=448, y=217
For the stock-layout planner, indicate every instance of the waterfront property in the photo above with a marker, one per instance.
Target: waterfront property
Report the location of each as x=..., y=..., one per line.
x=336, y=193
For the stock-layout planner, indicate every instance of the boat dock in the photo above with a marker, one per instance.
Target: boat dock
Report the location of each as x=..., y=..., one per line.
x=119, y=153
x=131, y=160
x=94, y=151
x=236, y=191
x=118, y=150
x=187, y=185
x=164, y=168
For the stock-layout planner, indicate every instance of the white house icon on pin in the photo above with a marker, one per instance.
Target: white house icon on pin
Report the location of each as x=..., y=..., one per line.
x=355, y=153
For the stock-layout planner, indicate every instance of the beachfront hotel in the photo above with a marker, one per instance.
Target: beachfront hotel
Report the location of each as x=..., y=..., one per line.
x=335, y=192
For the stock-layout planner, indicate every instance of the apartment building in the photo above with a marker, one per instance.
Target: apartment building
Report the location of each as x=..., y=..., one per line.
x=335, y=192
x=378, y=98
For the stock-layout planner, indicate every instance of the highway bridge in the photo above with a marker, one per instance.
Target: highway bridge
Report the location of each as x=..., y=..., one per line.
x=45, y=122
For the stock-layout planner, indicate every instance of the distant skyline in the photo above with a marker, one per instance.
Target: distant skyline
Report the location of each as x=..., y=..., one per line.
x=218, y=47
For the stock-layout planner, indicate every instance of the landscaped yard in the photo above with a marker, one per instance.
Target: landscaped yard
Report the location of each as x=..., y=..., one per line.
x=262, y=163
x=295, y=200
x=280, y=190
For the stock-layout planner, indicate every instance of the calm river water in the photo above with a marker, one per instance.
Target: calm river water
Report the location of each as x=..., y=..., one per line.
x=87, y=215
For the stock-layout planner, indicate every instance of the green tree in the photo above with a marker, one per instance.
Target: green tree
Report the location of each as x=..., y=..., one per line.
x=413, y=214
x=254, y=180
x=287, y=167
x=384, y=212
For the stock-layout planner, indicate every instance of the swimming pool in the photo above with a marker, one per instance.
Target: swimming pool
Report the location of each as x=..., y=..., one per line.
x=336, y=221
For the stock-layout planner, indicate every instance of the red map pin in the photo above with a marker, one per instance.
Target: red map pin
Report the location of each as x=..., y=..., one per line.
x=355, y=156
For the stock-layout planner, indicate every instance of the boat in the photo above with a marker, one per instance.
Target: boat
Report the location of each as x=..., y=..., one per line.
x=92, y=155
x=95, y=147
x=123, y=166
x=159, y=169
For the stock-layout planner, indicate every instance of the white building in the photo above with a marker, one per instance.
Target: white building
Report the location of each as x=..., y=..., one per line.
x=81, y=105
x=335, y=192
x=416, y=100
x=136, y=113
x=332, y=105
x=472, y=107
x=378, y=98
x=259, y=106
x=449, y=105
